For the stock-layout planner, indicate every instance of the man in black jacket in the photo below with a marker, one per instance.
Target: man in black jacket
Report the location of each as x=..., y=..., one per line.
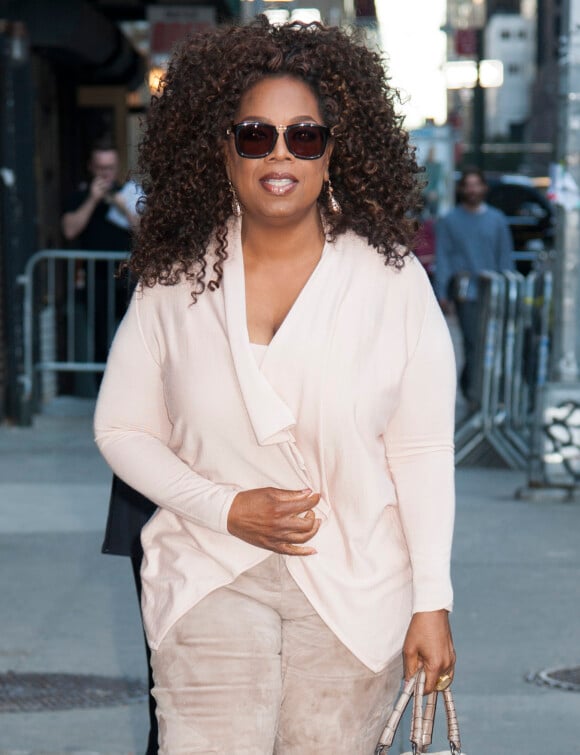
x=128, y=512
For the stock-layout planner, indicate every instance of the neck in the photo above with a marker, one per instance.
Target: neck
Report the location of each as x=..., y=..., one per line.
x=282, y=242
x=472, y=207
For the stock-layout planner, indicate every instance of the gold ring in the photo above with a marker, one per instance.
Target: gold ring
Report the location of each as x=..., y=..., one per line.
x=443, y=682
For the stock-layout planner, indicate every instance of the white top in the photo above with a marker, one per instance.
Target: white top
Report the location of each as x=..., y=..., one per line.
x=259, y=351
x=354, y=399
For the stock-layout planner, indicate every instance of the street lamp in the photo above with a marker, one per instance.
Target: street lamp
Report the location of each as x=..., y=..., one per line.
x=464, y=74
x=477, y=76
x=465, y=25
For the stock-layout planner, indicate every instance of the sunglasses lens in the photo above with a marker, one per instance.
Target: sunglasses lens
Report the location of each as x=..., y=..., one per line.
x=308, y=142
x=255, y=139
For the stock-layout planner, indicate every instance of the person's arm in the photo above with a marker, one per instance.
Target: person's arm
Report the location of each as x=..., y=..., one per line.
x=505, y=245
x=420, y=454
x=133, y=429
x=73, y=223
x=118, y=201
x=443, y=270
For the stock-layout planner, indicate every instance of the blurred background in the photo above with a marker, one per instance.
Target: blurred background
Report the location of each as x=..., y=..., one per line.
x=490, y=83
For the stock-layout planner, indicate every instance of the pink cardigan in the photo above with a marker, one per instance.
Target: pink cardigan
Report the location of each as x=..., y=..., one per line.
x=354, y=399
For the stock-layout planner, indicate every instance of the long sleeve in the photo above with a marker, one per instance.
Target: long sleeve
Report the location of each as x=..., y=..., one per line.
x=505, y=245
x=443, y=254
x=353, y=399
x=420, y=454
x=133, y=430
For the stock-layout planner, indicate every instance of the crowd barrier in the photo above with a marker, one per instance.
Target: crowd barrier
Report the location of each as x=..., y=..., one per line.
x=511, y=366
x=71, y=303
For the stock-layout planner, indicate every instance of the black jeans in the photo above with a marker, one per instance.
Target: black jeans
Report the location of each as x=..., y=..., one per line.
x=468, y=316
x=152, y=746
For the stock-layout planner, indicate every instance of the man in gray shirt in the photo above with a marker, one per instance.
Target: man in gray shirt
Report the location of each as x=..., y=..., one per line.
x=471, y=238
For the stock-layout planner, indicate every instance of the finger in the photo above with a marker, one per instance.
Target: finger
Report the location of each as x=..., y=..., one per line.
x=304, y=535
x=294, y=529
x=430, y=680
x=294, y=496
x=304, y=520
x=411, y=664
x=284, y=494
x=308, y=516
x=433, y=675
x=288, y=549
x=301, y=505
x=302, y=524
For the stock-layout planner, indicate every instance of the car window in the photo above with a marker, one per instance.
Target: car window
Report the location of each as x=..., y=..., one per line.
x=517, y=201
x=533, y=209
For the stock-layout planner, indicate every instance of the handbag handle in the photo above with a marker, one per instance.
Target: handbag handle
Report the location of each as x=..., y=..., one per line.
x=422, y=720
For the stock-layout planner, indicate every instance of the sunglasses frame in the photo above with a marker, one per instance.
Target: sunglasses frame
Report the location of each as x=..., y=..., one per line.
x=235, y=129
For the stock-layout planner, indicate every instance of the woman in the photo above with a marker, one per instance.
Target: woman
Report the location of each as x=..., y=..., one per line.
x=282, y=387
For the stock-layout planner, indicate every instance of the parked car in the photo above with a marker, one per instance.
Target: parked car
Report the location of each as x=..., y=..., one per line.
x=530, y=215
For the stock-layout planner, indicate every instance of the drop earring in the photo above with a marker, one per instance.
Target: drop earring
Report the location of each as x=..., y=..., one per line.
x=236, y=206
x=333, y=204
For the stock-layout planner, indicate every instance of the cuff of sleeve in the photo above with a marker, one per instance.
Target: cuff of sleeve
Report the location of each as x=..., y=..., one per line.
x=432, y=594
x=433, y=607
x=229, y=496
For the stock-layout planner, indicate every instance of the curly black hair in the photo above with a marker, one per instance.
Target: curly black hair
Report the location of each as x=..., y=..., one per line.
x=188, y=203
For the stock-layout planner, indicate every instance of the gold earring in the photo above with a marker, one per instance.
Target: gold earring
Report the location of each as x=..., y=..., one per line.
x=333, y=204
x=236, y=206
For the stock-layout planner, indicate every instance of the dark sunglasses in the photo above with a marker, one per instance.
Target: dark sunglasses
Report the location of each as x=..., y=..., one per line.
x=254, y=139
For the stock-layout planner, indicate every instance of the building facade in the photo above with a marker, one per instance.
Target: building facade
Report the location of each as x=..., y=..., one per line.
x=543, y=124
x=510, y=38
x=67, y=72
x=526, y=35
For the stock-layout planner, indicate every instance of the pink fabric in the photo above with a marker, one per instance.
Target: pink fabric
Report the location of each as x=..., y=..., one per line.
x=425, y=245
x=354, y=399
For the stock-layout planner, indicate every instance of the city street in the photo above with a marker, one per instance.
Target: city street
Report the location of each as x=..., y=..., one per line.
x=68, y=609
x=130, y=130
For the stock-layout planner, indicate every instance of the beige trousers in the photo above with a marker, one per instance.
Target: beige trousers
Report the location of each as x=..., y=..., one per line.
x=253, y=670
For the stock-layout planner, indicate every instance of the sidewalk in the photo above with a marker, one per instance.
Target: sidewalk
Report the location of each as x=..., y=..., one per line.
x=68, y=609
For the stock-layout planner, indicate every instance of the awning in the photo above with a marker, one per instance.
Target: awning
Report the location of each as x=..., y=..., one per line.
x=77, y=35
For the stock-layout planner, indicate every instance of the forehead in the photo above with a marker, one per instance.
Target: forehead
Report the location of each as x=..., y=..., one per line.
x=279, y=99
x=473, y=179
x=104, y=157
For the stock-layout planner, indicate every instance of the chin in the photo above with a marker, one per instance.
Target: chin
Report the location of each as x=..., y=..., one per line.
x=288, y=210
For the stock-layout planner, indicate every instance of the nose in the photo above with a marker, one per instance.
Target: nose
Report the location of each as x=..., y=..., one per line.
x=280, y=151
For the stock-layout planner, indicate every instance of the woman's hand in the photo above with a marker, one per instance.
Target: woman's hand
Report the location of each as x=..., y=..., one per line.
x=429, y=644
x=279, y=520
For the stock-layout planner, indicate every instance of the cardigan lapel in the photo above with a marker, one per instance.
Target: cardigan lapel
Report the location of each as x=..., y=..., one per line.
x=271, y=418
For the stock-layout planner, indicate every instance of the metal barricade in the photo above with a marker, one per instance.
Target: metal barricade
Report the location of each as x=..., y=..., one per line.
x=71, y=303
x=469, y=432
x=541, y=293
x=480, y=428
x=542, y=308
x=511, y=367
x=514, y=426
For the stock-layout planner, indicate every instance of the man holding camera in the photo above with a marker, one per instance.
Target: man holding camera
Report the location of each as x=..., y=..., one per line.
x=85, y=218
x=97, y=217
